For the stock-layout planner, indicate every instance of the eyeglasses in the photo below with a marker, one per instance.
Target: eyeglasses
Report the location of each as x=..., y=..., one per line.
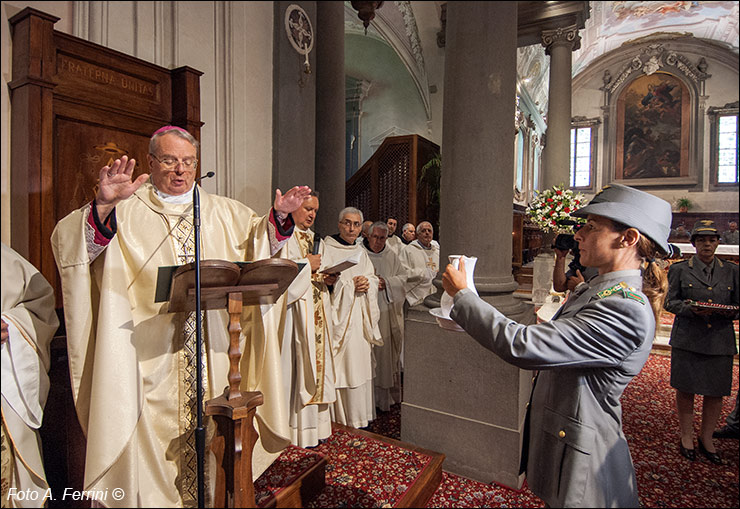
x=170, y=163
x=350, y=224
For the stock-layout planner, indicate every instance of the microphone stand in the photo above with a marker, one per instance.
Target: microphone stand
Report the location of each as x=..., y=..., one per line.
x=200, y=433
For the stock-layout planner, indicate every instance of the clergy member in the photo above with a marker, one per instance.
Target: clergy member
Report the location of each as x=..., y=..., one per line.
x=308, y=365
x=28, y=325
x=421, y=259
x=394, y=241
x=132, y=363
x=391, y=295
x=354, y=321
x=408, y=233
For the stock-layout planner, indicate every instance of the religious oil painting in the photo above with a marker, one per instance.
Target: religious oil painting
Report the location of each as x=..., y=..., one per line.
x=653, y=129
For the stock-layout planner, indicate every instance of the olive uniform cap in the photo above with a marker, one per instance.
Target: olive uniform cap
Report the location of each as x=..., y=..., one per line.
x=704, y=227
x=637, y=209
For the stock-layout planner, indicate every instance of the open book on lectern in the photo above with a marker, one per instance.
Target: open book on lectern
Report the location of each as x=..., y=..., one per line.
x=260, y=282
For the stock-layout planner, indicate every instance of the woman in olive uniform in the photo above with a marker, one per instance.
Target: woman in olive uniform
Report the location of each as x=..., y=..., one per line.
x=587, y=354
x=702, y=339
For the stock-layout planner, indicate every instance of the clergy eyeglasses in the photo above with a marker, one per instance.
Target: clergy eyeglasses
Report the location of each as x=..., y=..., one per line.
x=349, y=223
x=170, y=163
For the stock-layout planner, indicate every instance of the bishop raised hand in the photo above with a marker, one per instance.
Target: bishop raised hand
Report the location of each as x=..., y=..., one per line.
x=115, y=184
x=290, y=201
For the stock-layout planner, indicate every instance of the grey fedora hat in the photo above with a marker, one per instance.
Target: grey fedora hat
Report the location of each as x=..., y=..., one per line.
x=649, y=214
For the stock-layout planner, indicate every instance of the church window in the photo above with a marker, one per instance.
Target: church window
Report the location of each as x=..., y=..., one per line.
x=727, y=150
x=582, y=154
x=723, y=160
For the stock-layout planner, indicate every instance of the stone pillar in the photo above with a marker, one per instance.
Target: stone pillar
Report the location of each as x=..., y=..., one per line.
x=294, y=107
x=330, y=118
x=459, y=398
x=559, y=44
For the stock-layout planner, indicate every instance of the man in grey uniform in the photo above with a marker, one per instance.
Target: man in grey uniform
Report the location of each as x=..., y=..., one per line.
x=597, y=342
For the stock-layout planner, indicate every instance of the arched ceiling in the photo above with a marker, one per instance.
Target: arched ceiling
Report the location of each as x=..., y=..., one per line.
x=610, y=24
x=614, y=23
x=395, y=25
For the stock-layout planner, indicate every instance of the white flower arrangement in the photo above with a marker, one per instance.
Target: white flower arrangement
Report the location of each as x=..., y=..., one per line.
x=551, y=207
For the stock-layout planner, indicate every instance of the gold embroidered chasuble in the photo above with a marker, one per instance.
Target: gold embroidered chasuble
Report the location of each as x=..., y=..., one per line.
x=308, y=361
x=132, y=363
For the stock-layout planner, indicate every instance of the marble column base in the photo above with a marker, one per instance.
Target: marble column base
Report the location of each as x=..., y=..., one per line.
x=462, y=400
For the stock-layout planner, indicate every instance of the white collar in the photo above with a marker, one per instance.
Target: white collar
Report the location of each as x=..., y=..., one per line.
x=178, y=199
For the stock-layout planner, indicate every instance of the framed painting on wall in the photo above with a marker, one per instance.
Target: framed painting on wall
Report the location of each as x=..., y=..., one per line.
x=653, y=122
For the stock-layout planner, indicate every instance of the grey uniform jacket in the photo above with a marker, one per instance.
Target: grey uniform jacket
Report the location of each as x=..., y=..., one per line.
x=588, y=353
x=710, y=335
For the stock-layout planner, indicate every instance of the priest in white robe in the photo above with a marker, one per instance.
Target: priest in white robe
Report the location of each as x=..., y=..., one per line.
x=391, y=295
x=132, y=364
x=28, y=325
x=354, y=321
x=421, y=259
x=394, y=241
x=308, y=363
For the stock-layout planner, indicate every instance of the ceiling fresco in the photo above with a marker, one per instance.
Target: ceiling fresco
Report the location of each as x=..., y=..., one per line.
x=613, y=23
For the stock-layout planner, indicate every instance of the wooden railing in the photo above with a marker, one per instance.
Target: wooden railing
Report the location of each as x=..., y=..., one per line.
x=386, y=185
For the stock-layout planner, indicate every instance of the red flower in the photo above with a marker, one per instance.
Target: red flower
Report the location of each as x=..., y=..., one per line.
x=558, y=192
x=549, y=200
x=567, y=209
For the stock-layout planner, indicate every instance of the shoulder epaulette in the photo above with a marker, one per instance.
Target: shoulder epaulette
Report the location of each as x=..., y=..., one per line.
x=624, y=290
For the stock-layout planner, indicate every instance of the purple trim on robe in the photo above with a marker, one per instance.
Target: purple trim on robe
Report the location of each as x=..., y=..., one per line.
x=277, y=232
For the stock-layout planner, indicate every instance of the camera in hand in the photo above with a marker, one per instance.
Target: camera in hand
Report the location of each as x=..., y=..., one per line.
x=565, y=242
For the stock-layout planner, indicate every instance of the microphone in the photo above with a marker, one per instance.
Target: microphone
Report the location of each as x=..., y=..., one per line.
x=206, y=176
x=316, y=242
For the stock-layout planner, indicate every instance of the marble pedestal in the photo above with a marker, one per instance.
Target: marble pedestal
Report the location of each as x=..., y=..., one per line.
x=542, y=277
x=464, y=401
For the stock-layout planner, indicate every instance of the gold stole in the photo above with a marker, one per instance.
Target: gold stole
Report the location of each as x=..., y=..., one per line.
x=183, y=240
x=305, y=242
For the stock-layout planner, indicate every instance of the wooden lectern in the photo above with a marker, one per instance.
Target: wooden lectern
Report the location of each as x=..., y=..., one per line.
x=232, y=286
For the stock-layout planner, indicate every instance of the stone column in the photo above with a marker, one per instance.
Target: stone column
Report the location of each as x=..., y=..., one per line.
x=559, y=44
x=294, y=107
x=330, y=114
x=459, y=398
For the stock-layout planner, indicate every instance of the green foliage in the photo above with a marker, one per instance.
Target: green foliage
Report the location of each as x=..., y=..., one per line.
x=684, y=202
x=430, y=175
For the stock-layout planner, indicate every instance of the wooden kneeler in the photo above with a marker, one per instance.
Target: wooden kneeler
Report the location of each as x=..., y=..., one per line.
x=231, y=286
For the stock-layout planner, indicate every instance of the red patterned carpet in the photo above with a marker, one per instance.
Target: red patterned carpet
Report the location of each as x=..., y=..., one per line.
x=362, y=472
